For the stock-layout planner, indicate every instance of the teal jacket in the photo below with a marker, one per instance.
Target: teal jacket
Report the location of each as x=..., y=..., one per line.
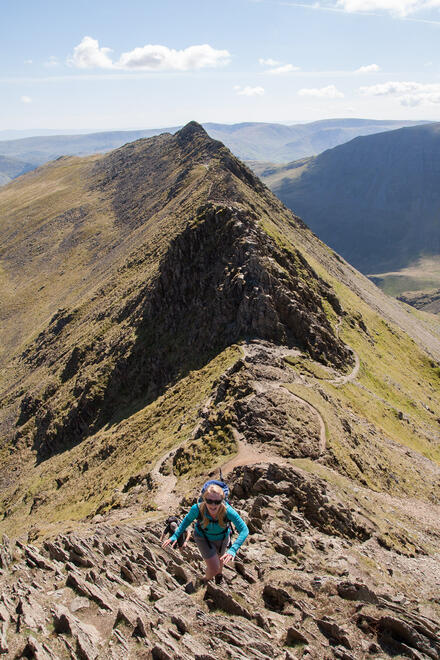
x=213, y=531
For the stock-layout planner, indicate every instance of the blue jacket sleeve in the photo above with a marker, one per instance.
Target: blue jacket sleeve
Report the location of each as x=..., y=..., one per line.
x=240, y=526
x=186, y=522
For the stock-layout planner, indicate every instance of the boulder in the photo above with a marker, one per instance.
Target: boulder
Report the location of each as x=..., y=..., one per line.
x=357, y=591
x=224, y=601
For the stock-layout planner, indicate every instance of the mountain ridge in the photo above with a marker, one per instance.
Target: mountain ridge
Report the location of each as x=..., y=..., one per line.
x=174, y=318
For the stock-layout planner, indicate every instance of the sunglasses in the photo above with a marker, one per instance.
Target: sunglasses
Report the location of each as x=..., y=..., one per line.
x=209, y=501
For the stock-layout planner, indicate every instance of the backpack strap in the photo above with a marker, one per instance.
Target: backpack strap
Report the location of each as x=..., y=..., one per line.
x=200, y=528
x=228, y=529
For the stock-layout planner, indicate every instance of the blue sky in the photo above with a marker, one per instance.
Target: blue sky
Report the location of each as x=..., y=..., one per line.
x=104, y=64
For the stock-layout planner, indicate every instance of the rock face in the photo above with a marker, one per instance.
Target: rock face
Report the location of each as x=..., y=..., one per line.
x=277, y=602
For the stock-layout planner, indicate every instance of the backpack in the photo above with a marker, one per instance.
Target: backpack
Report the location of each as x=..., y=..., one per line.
x=224, y=486
x=214, y=482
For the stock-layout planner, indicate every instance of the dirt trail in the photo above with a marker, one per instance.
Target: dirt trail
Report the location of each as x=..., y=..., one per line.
x=165, y=500
x=348, y=378
x=250, y=455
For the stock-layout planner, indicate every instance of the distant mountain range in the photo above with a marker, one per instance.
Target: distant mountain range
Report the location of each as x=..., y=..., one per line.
x=375, y=200
x=249, y=141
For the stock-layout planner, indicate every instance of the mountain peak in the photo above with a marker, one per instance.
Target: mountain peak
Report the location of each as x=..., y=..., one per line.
x=190, y=130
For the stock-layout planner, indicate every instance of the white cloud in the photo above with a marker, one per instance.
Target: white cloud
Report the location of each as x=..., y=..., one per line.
x=408, y=93
x=153, y=58
x=369, y=68
x=52, y=62
x=268, y=62
x=397, y=7
x=280, y=70
x=25, y=99
x=329, y=92
x=28, y=62
x=89, y=55
x=249, y=91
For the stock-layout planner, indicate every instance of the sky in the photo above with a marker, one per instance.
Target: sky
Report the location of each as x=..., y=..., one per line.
x=107, y=64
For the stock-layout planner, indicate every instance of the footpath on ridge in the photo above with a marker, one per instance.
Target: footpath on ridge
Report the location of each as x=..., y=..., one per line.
x=269, y=374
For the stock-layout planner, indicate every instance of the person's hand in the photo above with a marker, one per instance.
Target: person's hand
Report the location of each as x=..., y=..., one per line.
x=227, y=557
x=168, y=542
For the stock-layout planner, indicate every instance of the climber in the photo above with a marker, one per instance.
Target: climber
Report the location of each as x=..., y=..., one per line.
x=212, y=531
x=171, y=524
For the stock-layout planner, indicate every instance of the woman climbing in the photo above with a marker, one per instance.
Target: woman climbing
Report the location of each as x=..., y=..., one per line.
x=212, y=531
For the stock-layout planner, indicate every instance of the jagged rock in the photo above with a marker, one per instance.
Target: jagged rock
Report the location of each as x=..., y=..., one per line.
x=180, y=623
x=275, y=598
x=4, y=614
x=246, y=574
x=127, y=615
x=276, y=417
x=294, y=636
x=158, y=653
x=55, y=551
x=4, y=648
x=37, y=651
x=131, y=615
x=304, y=493
x=225, y=602
x=179, y=572
x=120, y=638
x=31, y=614
x=100, y=596
x=79, y=604
x=168, y=643
x=341, y=653
x=357, y=591
x=5, y=552
x=34, y=558
x=334, y=632
x=193, y=646
x=86, y=636
x=131, y=573
x=176, y=601
x=402, y=635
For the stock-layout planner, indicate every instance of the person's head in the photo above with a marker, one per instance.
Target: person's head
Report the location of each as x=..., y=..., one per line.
x=213, y=503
